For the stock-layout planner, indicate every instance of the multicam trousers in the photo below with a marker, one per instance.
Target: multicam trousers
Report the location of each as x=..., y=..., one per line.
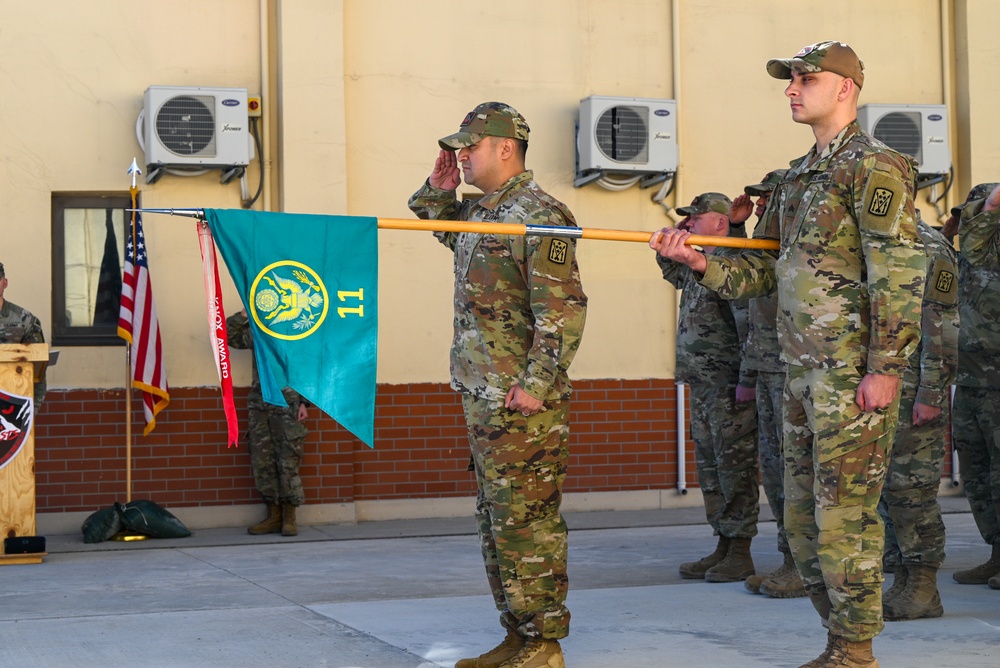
x=770, y=399
x=914, y=532
x=976, y=426
x=520, y=465
x=835, y=465
x=276, y=439
x=725, y=451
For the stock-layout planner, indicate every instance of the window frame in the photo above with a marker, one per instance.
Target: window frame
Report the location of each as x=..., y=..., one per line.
x=64, y=334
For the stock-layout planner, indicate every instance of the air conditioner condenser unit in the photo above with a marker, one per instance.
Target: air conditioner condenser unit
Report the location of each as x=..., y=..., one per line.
x=196, y=127
x=627, y=135
x=918, y=130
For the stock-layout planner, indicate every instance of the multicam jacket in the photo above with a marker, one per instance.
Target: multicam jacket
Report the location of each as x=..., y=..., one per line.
x=710, y=330
x=18, y=325
x=933, y=365
x=851, y=264
x=519, y=304
x=979, y=297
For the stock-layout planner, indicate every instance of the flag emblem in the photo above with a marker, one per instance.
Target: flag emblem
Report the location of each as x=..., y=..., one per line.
x=288, y=300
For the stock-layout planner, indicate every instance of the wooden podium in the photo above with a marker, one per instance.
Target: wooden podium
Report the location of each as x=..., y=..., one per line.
x=20, y=364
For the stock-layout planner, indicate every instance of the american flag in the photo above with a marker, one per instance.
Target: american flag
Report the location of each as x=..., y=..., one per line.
x=138, y=325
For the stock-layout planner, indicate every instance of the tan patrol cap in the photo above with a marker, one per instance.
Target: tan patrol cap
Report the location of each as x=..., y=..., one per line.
x=981, y=191
x=829, y=56
x=490, y=119
x=706, y=202
x=767, y=185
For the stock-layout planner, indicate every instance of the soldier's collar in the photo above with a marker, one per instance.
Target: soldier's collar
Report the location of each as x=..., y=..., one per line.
x=497, y=197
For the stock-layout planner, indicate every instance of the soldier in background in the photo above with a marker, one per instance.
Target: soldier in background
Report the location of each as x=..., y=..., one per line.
x=847, y=325
x=915, y=536
x=276, y=435
x=519, y=317
x=976, y=410
x=710, y=336
x=17, y=325
x=763, y=355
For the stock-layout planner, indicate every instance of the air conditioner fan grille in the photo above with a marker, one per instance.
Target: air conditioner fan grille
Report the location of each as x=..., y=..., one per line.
x=622, y=134
x=185, y=125
x=900, y=130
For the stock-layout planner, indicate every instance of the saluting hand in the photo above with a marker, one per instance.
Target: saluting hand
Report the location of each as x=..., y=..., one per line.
x=446, y=174
x=741, y=208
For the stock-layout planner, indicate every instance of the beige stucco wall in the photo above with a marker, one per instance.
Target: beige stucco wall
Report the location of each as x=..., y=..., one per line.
x=358, y=91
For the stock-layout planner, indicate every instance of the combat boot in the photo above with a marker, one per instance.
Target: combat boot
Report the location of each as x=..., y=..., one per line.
x=918, y=599
x=537, y=653
x=507, y=649
x=982, y=573
x=271, y=525
x=899, y=576
x=738, y=564
x=821, y=659
x=784, y=582
x=289, y=527
x=695, y=570
x=847, y=654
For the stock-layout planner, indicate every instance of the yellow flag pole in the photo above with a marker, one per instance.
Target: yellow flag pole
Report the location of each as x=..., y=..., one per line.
x=555, y=230
x=539, y=230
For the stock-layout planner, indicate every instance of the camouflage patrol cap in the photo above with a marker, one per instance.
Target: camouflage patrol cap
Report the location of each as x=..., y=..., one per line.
x=828, y=56
x=490, y=119
x=771, y=180
x=706, y=202
x=981, y=191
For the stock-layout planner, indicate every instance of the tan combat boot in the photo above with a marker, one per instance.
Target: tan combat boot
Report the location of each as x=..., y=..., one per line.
x=982, y=573
x=537, y=653
x=738, y=564
x=899, y=576
x=847, y=654
x=288, y=524
x=821, y=659
x=507, y=649
x=918, y=599
x=784, y=582
x=695, y=570
x=270, y=525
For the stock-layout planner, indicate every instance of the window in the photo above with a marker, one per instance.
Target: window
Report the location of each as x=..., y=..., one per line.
x=88, y=257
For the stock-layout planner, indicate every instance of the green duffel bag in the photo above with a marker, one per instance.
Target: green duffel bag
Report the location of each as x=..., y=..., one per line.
x=146, y=517
x=101, y=525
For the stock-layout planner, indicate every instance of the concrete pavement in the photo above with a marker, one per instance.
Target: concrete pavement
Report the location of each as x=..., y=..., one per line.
x=412, y=594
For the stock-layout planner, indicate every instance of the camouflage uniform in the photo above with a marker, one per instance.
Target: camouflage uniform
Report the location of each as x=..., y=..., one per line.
x=849, y=278
x=710, y=334
x=915, y=530
x=275, y=433
x=519, y=316
x=976, y=412
x=762, y=353
x=19, y=326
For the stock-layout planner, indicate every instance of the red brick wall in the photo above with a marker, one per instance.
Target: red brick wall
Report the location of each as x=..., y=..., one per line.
x=623, y=438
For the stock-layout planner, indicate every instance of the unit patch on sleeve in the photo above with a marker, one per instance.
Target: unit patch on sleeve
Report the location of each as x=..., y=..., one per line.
x=555, y=258
x=882, y=205
x=941, y=288
x=557, y=251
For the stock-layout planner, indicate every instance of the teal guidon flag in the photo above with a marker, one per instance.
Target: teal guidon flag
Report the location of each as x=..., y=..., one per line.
x=310, y=287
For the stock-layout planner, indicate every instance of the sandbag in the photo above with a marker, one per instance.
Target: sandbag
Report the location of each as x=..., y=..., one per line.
x=146, y=517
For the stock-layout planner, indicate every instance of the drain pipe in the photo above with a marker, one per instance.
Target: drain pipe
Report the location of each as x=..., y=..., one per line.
x=681, y=442
x=956, y=479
